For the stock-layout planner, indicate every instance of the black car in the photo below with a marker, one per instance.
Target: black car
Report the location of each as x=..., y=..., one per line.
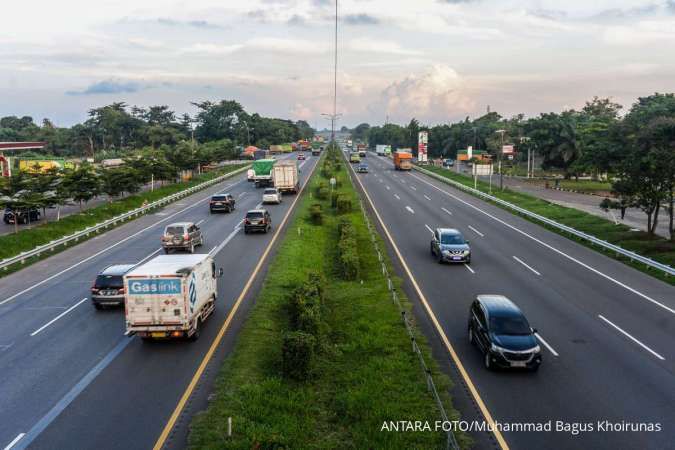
x=222, y=202
x=501, y=331
x=362, y=168
x=24, y=216
x=448, y=245
x=108, y=287
x=257, y=220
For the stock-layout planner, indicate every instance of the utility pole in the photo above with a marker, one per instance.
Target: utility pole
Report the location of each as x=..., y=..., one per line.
x=527, y=139
x=332, y=133
x=501, y=151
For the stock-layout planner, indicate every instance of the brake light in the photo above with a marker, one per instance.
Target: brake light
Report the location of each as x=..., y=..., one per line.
x=121, y=291
x=247, y=221
x=186, y=236
x=94, y=289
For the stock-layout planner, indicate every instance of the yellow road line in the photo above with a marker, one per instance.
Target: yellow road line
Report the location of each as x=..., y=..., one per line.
x=202, y=366
x=439, y=329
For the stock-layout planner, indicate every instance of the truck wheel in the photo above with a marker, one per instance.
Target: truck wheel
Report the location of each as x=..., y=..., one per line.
x=192, y=248
x=197, y=332
x=98, y=306
x=166, y=251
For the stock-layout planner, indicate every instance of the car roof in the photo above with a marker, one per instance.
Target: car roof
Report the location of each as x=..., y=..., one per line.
x=117, y=269
x=179, y=224
x=448, y=231
x=499, y=305
x=221, y=194
x=256, y=211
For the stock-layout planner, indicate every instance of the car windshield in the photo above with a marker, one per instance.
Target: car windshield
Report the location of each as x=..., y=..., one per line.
x=509, y=325
x=270, y=191
x=107, y=281
x=254, y=215
x=452, y=239
x=219, y=198
x=173, y=230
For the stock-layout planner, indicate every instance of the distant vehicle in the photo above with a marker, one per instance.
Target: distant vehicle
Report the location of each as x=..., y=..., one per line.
x=221, y=202
x=354, y=158
x=285, y=176
x=257, y=220
x=448, y=162
x=301, y=156
x=448, y=245
x=501, y=331
x=362, y=168
x=271, y=195
x=170, y=296
x=261, y=154
x=250, y=175
x=316, y=151
x=108, y=287
x=262, y=169
x=182, y=236
x=361, y=148
x=21, y=216
x=402, y=160
x=382, y=150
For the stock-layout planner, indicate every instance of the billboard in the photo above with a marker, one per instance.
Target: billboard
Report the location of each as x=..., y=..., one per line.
x=422, y=141
x=507, y=149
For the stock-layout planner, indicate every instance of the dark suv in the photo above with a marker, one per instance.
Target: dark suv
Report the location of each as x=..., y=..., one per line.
x=222, y=202
x=24, y=216
x=108, y=287
x=257, y=220
x=448, y=245
x=501, y=331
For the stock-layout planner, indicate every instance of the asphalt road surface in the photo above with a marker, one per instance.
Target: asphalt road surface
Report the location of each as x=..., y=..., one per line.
x=72, y=380
x=606, y=330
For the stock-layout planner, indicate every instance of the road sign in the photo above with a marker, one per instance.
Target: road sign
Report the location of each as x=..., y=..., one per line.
x=507, y=149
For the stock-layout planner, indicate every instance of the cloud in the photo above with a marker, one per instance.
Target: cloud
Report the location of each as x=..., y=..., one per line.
x=187, y=23
x=434, y=95
x=212, y=49
x=296, y=20
x=648, y=32
x=379, y=46
x=300, y=111
x=360, y=19
x=110, y=87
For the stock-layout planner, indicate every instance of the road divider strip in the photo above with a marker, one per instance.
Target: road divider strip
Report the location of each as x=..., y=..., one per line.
x=526, y=265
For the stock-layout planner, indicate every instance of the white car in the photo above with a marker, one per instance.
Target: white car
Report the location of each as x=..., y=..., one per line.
x=271, y=195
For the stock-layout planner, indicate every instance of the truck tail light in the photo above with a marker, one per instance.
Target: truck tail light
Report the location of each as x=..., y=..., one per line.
x=121, y=291
x=94, y=289
x=186, y=236
x=246, y=221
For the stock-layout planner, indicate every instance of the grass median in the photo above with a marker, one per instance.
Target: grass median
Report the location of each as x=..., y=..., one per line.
x=27, y=239
x=654, y=247
x=362, y=372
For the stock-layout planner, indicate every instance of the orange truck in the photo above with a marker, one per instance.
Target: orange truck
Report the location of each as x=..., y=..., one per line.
x=402, y=161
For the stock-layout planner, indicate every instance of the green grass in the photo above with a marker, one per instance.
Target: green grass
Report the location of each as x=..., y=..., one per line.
x=365, y=373
x=27, y=239
x=584, y=185
x=654, y=247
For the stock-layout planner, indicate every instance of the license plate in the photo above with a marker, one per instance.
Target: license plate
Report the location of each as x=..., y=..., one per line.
x=158, y=334
x=456, y=258
x=218, y=204
x=518, y=364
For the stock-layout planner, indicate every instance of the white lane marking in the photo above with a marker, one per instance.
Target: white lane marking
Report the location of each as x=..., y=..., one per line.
x=449, y=213
x=149, y=256
x=427, y=197
x=550, y=247
x=58, y=317
x=410, y=210
x=550, y=349
x=632, y=338
x=413, y=188
x=402, y=181
x=476, y=231
x=469, y=267
x=258, y=206
x=523, y=263
x=89, y=258
x=303, y=163
x=215, y=250
x=388, y=188
x=429, y=228
x=397, y=197
x=242, y=194
x=200, y=222
x=16, y=439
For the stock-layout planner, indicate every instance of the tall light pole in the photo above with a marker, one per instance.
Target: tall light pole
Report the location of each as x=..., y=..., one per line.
x=501, y=151
x=335, y=74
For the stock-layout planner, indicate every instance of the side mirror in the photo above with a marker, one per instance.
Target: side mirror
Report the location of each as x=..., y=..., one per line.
x=467, y=242
x=220, y=272
x=534, y=330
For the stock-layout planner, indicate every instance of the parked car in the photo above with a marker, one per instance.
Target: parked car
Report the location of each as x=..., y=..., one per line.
x=448, y=245
x=222, y=202
x=448, y=162
x=108, y=287
x=182, y=236
x=501, y=331
x=257, y=220
x=301, y=156
x=32, y=215
x=271, y=195
x=362, y=168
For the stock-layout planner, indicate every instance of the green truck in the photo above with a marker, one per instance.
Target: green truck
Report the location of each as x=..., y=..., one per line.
x=262, y=172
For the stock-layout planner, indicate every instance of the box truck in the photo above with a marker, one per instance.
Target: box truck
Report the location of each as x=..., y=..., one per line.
x=170, y=296
x=262, y=172
x=285, y=176
x=382, y=150
x=402, y=160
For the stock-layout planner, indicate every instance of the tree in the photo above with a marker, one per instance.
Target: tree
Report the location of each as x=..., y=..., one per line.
x=118, y=180
x=82, y=183
x=15, y=194
x=360, y=132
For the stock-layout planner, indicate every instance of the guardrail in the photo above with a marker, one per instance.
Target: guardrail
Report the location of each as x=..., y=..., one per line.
x=580, y=234
x=39, y=250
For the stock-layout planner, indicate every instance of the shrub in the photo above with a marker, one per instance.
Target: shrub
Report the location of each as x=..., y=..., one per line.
x=333, y=199
x=315, y=214
x=347, y=250
x=344, y=204
x=297, y=354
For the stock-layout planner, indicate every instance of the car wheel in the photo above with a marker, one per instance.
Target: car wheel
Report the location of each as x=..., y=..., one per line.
x=431, y=248
x=245, y=230
x=98, y=306
x=440, y=258
x=488, y=362
x=166, y=251
x=472, y=340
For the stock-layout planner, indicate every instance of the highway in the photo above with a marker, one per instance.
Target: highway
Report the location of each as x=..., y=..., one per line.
x=606, y=330
x=72, y=380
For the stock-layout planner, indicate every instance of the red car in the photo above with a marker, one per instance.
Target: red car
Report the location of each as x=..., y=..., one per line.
x=301, y=156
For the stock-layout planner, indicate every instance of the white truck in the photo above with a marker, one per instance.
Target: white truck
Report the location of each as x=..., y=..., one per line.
x=382, y=150
x=170, y=296
x=285, y=176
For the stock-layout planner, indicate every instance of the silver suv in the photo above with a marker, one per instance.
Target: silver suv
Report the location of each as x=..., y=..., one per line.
x=182, y=236
x=448, y=245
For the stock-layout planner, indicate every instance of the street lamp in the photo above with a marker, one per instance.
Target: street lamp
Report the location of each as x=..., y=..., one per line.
x=501, y=151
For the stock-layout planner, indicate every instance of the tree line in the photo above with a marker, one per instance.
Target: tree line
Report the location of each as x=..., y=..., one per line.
x=635, y=150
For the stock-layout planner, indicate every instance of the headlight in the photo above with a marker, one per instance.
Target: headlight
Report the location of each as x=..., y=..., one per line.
x=536, y=349
x=466, y=252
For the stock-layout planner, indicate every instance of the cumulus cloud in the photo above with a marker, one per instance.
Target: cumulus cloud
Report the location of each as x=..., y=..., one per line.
x=434, y=95
x=109, y=87
x=300, y=111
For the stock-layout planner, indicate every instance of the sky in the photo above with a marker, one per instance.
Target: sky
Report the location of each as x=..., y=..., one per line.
x=436, y=60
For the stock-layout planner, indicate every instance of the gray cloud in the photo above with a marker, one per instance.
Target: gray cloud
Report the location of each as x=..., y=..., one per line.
x=618, y=13
x=188, y=23
x=296, y=20
x=361, y=19
x=551, y=14
x=109, y=87
x=457, y=2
